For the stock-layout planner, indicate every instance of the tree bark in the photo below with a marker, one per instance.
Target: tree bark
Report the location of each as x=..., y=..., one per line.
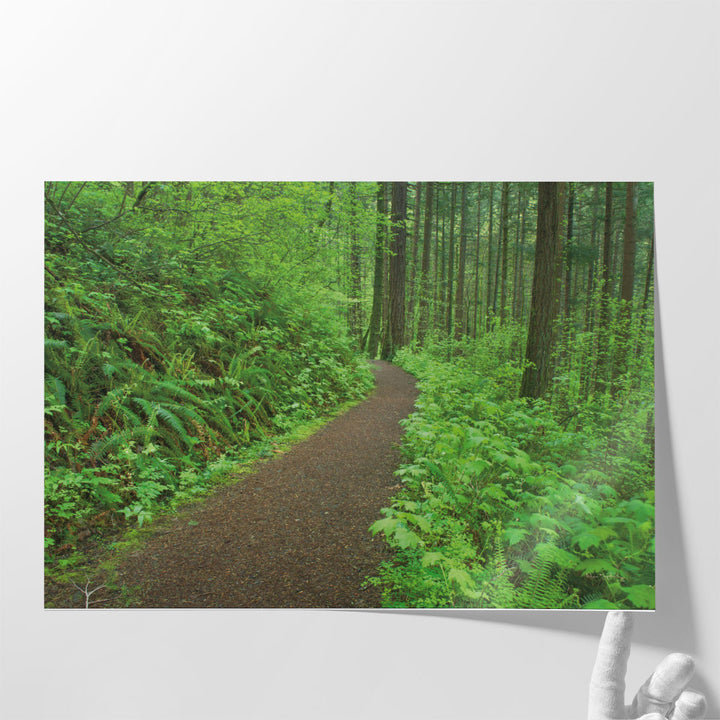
x=627, y=284
x=355, y=309
x=396, y=325
x=460, y=291
x=476, y=303
x=519, y=290
x=423, y=321
x=380, y=234
x=629, y=245
x=451, y=263
x=537, y=375
x=504, y=262
x=412, y=286
x=488, y=298
x=649, y=273
x=569, y=250
x=604, y=329
x=591, y=264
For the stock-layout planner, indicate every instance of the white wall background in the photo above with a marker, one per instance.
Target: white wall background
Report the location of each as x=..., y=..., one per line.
x=361, y=90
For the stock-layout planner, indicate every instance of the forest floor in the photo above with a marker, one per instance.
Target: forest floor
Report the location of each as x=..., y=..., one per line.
x=293, y=533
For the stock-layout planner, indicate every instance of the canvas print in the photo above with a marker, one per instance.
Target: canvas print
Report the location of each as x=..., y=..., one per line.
x=349, y=394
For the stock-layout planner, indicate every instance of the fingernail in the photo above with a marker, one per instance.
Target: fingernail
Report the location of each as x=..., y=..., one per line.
x=690, y=705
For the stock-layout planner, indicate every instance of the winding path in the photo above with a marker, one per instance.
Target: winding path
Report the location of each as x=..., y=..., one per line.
x=295, y=532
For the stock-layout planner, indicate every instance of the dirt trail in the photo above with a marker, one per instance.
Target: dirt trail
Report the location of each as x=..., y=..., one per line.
x=295, y=532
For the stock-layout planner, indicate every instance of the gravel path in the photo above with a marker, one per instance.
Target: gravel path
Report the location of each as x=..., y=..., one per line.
x=295, y=532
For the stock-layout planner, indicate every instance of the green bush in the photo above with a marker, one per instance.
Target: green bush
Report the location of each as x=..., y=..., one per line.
x=503, y=506
x=158, y=365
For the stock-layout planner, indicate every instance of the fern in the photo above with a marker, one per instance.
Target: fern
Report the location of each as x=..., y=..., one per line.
x=502, y=591
x=154, y=410
x=104, y=446
x=546, y=583
x=54, y=344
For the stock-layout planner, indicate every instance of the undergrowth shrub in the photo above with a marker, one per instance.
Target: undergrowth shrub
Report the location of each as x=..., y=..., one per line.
x=503, y=504
x=156, y=370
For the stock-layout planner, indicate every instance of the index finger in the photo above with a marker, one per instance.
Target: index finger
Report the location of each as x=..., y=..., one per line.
x=607, y=683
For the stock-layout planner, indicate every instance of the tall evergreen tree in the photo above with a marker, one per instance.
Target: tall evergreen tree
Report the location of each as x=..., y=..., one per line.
x=379, y=258
x=460, y=291
x=504, y=249
x=489, y=320
x=412, y=286
x=476, y=294
x=538, y=371
x=395, y=335
x=451, y=262
x=627, y=283
x=604, y=329
x=424, y=319
x=355, y=300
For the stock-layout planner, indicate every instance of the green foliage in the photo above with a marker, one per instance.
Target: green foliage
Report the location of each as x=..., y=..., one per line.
x=168, y=350
x=503, y=505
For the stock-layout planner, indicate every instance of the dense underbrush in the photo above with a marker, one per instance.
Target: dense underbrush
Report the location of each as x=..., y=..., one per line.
x=513, y=503
x=158, y=375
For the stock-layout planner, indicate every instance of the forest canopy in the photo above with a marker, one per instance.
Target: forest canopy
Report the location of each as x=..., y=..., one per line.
x=187, y=323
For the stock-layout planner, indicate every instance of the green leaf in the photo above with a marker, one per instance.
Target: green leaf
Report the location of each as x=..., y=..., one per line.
x=560, y=557
x=407, y=538
x=474, y=467
x=432, y=558
x=461, y=577
x=595, y=565
x=586, y=540
x=106, y=496
x=641, y=596
x=386, y=525
x=514, y=535
x=493, y=491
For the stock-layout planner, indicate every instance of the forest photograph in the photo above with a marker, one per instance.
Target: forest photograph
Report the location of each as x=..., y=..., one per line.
x=349, y=394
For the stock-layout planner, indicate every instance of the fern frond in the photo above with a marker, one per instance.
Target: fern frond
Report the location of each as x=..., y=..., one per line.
x=178, y=392
x=102, y=447
x=53, y=344
x=502, y=594
x=545, y=587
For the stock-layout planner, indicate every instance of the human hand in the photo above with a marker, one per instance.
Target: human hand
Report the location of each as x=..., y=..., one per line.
x=663, y=695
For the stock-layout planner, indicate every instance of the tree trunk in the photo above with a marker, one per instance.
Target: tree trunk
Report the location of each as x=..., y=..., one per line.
x=355, y=309
x=498, y=259
x=649, y=273
x=460, y=292
x=569, y=251
x=538, y=373
x=385, y=322
x=504, y=262
x=442, y=290
x=488, y=298
x=628, y=281
x=451, y=263
x=562, y=229
x=629, y=245
x=380, y=234
x=603, y=325
x=396, y=325
x=476, y=303
x=423, y=321
x=412, y=287
x=591, y=264
x=519, y=310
